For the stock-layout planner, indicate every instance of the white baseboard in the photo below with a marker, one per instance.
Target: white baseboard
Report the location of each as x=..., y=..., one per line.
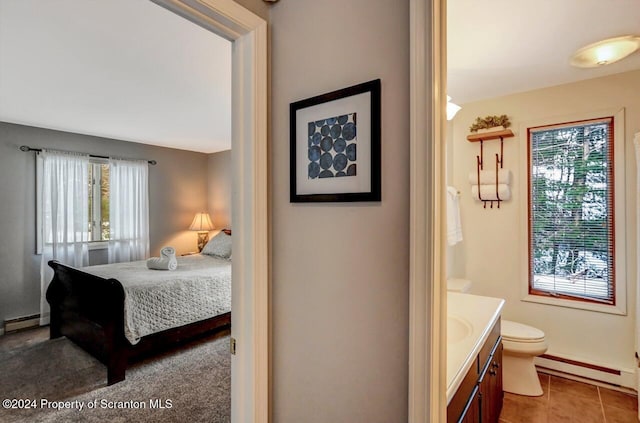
x=589, y=372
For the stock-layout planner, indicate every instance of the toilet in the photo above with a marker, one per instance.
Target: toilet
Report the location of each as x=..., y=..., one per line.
x=521, y=344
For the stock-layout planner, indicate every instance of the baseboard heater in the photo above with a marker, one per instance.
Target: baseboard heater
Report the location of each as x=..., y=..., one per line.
x=20, y=323
x=582, y=364
x=586, y=372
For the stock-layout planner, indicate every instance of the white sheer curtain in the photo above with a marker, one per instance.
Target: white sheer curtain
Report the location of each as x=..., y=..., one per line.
x=128, y=210
x=65, y=216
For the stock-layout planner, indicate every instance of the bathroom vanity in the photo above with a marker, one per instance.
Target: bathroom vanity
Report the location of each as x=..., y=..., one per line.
x=474, y=359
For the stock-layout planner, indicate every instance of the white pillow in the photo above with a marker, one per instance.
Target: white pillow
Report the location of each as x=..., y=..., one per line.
x=219, y=246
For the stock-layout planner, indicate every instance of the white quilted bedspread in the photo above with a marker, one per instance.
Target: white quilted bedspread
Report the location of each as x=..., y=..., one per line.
x=157, y=300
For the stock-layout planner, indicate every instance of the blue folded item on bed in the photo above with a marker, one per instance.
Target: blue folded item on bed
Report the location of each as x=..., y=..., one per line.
x=166, y=261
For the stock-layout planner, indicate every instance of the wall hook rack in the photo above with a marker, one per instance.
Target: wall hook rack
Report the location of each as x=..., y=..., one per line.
x=502, y=134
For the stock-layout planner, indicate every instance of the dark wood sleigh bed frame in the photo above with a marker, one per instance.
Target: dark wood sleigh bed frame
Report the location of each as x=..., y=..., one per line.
x=89, y=310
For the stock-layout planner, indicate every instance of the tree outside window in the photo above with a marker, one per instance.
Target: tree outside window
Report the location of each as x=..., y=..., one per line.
x=98, y=186
x=571, y=226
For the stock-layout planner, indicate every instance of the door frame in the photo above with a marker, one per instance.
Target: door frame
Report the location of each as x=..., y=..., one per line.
x=427, y=266
x=249, y=203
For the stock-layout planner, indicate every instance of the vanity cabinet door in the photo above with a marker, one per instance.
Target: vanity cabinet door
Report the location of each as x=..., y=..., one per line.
x=491, y=394
x=496, y=395
x=479, y=397
x=465, y=401
x=472, y=413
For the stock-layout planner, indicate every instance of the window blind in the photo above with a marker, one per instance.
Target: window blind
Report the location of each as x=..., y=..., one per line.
x=571, y=198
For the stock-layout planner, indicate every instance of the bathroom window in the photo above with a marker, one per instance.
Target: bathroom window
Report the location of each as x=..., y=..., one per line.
x=572, y=212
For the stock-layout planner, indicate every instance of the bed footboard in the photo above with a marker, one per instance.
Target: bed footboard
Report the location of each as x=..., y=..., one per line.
x=89, y=310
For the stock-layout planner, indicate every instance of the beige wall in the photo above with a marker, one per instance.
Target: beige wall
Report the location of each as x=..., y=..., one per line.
x=340, y=283
x=219, y=189
x=177, y=190
x=259, y=7
x=493, y=247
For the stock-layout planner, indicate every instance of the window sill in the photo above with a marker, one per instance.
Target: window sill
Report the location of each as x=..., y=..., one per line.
x=559, y=302
x=92, y=245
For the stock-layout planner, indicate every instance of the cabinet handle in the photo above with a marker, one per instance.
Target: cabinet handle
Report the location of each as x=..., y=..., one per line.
x=495, y=365
x=492, y=372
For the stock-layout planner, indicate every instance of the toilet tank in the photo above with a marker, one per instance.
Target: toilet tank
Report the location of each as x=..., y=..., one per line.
x=458, y=285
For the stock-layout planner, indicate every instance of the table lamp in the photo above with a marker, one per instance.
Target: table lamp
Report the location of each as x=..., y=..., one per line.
x=202, y=224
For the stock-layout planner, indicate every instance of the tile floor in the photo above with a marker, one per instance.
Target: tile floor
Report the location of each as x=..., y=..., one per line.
x=568, y=401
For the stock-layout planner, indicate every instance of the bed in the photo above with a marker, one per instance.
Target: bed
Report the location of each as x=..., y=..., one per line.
x=120, y=312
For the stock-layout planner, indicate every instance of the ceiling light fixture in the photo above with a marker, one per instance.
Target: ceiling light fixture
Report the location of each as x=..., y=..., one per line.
x=452, y=108
x=605, y=52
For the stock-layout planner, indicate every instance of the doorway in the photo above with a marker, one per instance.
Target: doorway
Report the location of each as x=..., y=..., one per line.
x=250, y=268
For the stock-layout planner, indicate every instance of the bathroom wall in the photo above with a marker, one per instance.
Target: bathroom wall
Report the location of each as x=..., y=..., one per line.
x=493, y=247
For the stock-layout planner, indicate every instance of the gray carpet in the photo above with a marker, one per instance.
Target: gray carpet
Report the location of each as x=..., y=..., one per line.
x=193, y=383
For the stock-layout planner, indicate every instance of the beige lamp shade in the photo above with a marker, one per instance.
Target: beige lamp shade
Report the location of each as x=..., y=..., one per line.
x=201, y=223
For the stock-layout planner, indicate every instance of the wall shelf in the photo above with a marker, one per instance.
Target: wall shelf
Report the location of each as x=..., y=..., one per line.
x=486, y=136
x=506, y=133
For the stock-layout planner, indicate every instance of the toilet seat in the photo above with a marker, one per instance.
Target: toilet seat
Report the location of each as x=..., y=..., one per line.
x=518, y=332
x=521, y=339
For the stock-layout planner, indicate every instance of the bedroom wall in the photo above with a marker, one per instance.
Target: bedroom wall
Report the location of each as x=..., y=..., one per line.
x=491, y=252
x=177, y=190
x=219, y=192
x=340, y=283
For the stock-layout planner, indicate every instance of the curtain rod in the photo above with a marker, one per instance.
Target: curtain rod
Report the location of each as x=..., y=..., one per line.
x=27, y=148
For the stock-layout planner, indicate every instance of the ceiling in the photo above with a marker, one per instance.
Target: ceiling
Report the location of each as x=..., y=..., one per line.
x=131, y=70
x=500, y=47
x=123, y=69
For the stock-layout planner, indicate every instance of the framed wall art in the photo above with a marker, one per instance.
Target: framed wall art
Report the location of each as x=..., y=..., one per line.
x=335, y=146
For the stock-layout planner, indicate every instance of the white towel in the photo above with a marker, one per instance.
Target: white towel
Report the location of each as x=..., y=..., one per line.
x=454, y=226
x=489, y=177
x=488, y=192
x=166, y=261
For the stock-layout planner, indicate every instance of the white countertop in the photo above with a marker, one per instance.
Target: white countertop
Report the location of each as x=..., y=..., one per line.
x=473, y=317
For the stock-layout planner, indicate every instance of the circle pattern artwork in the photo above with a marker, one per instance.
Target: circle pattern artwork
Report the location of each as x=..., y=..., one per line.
x=314, y=153
x=332, y=147
x=326, y=144
x=339, y=145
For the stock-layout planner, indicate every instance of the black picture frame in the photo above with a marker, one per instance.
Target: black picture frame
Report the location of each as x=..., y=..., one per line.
x=347, y=124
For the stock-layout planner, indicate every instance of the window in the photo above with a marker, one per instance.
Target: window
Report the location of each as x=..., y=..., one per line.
x=98, y=201
x=88, y=203
x=571, y=211
x=98, y=228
